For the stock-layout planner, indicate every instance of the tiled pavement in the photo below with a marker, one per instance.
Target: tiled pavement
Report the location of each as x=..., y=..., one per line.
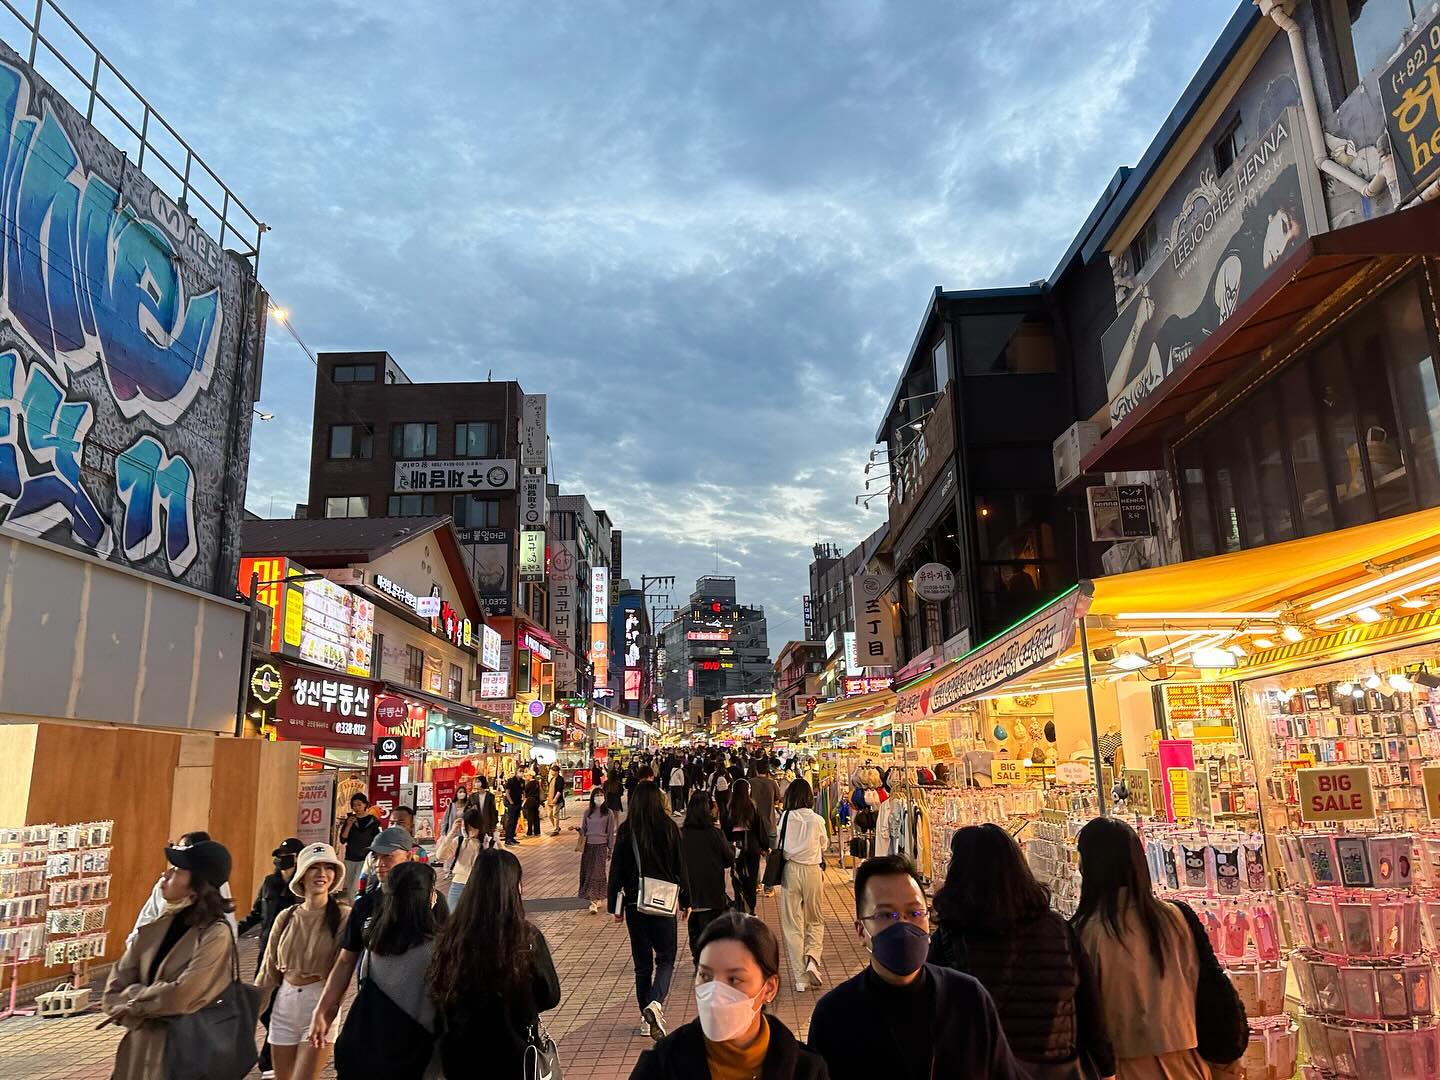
x=595, y=1024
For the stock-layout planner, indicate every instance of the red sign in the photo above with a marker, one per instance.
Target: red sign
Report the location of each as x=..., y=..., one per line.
x=391, y=712
x=855, y=685
x=384, y=790
x=324, y=708
x=444, y=781
x=307, y=756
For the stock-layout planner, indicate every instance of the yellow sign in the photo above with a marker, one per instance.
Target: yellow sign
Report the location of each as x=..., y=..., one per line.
x=294, y=615
x=1335, y=794
x=1137, y=783
x=941, y=751
x=1432, y=789
x=265, y=684
x=1179, y=793
x=1007, y=773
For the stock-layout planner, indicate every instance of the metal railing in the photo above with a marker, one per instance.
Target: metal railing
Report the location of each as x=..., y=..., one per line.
x=233, y=220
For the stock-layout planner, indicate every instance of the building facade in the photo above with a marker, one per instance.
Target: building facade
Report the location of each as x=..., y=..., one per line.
x=583, y=547
x=714, y=648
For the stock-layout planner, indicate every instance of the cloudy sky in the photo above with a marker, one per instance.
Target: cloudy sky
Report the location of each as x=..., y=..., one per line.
x=706, y=229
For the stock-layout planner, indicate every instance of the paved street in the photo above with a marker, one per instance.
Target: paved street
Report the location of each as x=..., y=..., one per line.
x=595, y=1024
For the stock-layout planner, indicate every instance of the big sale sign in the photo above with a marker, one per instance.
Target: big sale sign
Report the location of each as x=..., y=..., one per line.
x=1333, y=794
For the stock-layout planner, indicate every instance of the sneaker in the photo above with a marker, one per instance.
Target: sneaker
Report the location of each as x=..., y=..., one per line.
x=812, y=972
x=654, y=1015
x=800, y=986
x=643, y=1031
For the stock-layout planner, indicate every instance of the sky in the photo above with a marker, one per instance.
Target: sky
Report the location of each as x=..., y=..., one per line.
x=707, y=230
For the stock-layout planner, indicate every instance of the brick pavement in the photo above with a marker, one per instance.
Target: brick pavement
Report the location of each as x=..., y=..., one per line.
x=595, y=1024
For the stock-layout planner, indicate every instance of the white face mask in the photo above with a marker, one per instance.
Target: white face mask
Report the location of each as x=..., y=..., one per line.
x=724, y=1011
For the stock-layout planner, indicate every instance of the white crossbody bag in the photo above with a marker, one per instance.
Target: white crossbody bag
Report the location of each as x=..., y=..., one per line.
x=657, y=896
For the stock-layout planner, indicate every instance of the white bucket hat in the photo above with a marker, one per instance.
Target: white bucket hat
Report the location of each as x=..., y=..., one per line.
x=317, y=855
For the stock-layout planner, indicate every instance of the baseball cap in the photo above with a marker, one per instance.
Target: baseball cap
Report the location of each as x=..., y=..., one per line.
x=290, y=846
x=207, y=861
x=392, y=839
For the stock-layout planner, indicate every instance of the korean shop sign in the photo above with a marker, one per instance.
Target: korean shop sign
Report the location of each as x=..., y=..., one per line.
x=1410, y=94
x=460, y=475
x=324, y=708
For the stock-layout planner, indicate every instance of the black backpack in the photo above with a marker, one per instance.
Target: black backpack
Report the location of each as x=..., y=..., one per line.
x=380, y=1040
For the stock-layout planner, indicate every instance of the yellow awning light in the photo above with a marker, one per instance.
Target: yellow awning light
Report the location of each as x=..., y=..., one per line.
x=1179, y=616
x=1384, y=579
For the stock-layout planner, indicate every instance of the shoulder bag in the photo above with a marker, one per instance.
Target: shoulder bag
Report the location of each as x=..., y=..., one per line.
x=775, y=861
x=380, y=1040
x=218, y=1041
x=1220, y=1026
x=542, y=1056
x=657, y=896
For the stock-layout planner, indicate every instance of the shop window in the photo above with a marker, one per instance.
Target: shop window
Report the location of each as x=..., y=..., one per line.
x=1014, y=525
x=940, y=364
x=377, y=656
x=1382, y=450
x=1340, y=438
x=1401, y=317
x=349, y=441
x=480, y=439
x=1221, y=481
x=351, y=373
x=1307, y=464
x=414, y=666
x=456, y=683
x=1363, y=34
x=473, y=512
x=414, y=440
x=1006, y=345
x=1145, y=244
x=411, y=505
x=1199, y=530
x=1227, y=145
x=1271, y=471
x=347, y=506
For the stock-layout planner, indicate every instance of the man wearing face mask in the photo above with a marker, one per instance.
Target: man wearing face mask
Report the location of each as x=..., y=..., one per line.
x=919, y=1021
x=273, y=898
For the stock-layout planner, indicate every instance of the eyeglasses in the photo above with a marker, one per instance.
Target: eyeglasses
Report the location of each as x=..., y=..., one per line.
x=890, y=918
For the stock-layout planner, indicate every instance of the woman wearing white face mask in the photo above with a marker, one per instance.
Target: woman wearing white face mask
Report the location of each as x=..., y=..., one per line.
x=597, y=841
x=733, y=1039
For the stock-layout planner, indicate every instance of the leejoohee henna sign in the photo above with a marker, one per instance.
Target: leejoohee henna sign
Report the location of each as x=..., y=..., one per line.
x=1335, y=794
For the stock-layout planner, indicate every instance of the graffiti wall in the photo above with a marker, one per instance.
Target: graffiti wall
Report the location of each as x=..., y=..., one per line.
x=129, y=352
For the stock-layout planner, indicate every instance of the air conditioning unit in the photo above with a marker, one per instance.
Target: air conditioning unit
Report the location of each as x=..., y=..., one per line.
x=1070, y=449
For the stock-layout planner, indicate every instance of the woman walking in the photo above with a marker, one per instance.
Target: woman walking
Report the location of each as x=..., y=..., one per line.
x=597, y=835
x=737, y=977
x=1144, y=958
x=707, y=854
x=647, y=845
x=720, y=788
x=533, y=796
x=750, y=837
x=995, y=923
x=484, y=800
x=614, y=792
x=491, y=975
x=177, y=964
x=457, y=852
x=803, y=839
x=298, y=957
x=556, y=800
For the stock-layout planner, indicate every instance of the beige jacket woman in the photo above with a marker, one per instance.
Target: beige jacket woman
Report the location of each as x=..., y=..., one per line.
x=191, y=976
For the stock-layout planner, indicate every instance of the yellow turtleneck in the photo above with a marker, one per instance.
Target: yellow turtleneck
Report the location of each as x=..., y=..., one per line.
x=728, y=1063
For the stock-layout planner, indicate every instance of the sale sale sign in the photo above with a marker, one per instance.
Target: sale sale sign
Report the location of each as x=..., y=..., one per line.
x=1335, y=794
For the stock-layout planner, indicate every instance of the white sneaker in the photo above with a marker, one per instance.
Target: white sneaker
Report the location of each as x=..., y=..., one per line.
x=800, y=986
x=654, y=1015
x=812, y=972
x=643, y=1031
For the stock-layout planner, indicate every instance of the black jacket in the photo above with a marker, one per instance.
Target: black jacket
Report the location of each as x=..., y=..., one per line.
x=707, y=853
x=514, y=792
x=668, y=864
x=681, y=1056
x=484, y=1035
x=363, y=830
x=273, y=898
x=1043, y=987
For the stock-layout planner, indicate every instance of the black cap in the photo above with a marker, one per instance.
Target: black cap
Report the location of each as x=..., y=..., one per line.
x=207, y=861
x=291, y=846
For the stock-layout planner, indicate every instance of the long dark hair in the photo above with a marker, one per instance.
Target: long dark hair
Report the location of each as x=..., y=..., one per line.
x=741, y=809
x=406, y=918
x=989, y=886
x=208, y=907
x=700, y=812
x=651, y=827
x=1113, y=872
x=593, y=806
x=484, y=948
x=798, y=795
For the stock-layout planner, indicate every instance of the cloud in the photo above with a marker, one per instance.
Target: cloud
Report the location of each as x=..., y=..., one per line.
x=706, y=229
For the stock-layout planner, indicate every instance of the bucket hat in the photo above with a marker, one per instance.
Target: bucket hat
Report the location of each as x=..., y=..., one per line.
x=317, y=855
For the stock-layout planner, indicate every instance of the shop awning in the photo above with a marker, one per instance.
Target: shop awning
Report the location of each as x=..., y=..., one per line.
x=1312, y=273
x=508, y=732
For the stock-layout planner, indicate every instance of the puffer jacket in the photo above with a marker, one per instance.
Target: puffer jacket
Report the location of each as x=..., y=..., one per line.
x=1043, y=986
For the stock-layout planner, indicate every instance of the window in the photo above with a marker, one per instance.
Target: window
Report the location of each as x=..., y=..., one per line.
x=477, y=439
x=1363, y=34
x=473, y=512
x=940, y=364
x=1227, y=145
x=1143, y=246
x=410, y=505
x=414, y=666
x=377, y=655
x=414, y=440
x=349, y=441
x=456, y=684
x=1006, y=344
x=347, y=506
x=347, y=373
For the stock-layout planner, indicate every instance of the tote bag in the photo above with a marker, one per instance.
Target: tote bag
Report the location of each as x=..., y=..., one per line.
x=657, y=896
x=542, y=1056
x=380, y=1040
x=217, y=1042
x=775, y=863
x=1222, y=1033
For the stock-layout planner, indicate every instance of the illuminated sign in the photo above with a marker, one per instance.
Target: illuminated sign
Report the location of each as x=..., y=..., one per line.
x=269, y=571
x=490, y=642
x=532, y=555
x=396, y=591
x=708, y=635
x=265, y=683
x=632, y=684
x=854, y=685
x=599, y=594
x=324, y=710
x=494, y=685
x=536, y=646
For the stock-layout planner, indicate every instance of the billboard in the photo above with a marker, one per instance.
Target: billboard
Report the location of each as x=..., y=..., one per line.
x=599, y=594
x=532, y=431
x=564, y=603
x=532, y=555
x=487, y=557
x=534, y=511
x=460, y=476
x=874, y=622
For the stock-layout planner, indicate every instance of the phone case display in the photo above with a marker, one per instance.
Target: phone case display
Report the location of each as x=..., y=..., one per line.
x=77, y=881
x=954, y=808
x=1234, y=791
x=23, y=851
x=1050, y=849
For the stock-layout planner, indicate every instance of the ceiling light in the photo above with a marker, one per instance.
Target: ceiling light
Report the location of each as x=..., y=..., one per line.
x=1385, y=579
x=1264, y=643
x=1344, y=687
x=1416, y=602
x=1236, y=650
x=1154, y=616
x=1400, y=682
x=1292, y=634
x=1358, y=692
x=1373, y=682
x=1368, y=615
x=1211, y=657
x=1131, y=662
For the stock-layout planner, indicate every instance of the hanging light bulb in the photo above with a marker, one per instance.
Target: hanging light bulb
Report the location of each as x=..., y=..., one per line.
x=1400, y=683
x=1345, y=687
x=1292, y=634
x=1373, y=682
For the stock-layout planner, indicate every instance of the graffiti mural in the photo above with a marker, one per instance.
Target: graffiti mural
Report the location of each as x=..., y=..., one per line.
x=125, y=371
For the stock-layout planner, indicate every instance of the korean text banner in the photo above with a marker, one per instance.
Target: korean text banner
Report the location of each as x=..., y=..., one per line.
x=459, y=475
x=324, y=708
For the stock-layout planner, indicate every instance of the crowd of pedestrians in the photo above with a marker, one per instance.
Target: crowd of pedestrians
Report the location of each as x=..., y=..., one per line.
x=451, y=978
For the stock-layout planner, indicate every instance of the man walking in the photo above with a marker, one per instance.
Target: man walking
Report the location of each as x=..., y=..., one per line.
x=514, y=800
x=920, y=1020
x=677, y=788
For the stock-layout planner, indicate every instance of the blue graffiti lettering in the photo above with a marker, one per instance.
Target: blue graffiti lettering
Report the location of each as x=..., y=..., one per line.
x=86, y=280
x=148, y=479
x=40, y=457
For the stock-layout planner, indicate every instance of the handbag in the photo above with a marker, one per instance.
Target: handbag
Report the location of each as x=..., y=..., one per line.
x=218, y=1041
x=1220, y=1027
x=542, y=1056
x=380, y=1040
x=657, y=896
x=775, y=861
x=580, y=840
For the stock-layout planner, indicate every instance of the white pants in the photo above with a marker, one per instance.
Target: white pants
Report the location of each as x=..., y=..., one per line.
x=801, y=920
x=290, y=1016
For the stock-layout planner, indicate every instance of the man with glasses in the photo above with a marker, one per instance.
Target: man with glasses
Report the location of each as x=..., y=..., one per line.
x=902, y=1018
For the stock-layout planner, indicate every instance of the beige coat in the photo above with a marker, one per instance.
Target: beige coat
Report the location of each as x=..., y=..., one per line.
x=191, y=976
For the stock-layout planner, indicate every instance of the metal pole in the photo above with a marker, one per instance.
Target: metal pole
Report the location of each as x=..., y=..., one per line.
x=250, y=603
x=1090, y=703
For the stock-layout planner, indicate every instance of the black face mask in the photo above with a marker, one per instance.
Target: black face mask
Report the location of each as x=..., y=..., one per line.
x=284, y=862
